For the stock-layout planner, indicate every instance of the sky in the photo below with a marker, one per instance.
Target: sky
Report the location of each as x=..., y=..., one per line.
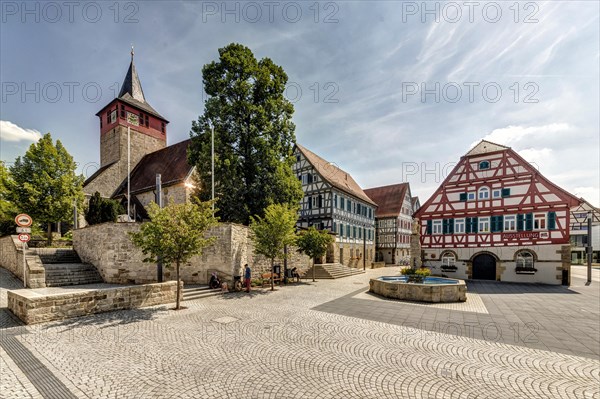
x=389, y=91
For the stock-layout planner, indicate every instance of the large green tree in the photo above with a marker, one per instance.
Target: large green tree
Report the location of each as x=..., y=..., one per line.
x=175, y=234
x=314, y=243
x=253, y=136
x=7, y=208
x=272, y=232
x=44, y=183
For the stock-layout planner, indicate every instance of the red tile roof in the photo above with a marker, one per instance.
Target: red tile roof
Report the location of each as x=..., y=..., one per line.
x=389, y=198
x=334, y=175
x=171, y=162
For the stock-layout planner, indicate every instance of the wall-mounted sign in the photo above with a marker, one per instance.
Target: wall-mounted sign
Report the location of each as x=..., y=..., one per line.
x=521, y=234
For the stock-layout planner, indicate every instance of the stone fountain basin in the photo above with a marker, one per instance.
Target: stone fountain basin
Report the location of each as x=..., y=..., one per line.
x=432, y=289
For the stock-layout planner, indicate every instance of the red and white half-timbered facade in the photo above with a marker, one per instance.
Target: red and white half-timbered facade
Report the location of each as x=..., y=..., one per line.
x=496, y=217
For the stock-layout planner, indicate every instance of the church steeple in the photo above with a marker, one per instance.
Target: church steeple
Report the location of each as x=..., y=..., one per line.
x=132, y=84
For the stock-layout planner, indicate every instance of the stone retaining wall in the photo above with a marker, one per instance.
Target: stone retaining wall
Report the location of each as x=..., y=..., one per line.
x=11, y=258
x=32, y=307
x=109, y=247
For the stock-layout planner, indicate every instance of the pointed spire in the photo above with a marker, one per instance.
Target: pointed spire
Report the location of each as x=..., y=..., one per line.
x=132, y=84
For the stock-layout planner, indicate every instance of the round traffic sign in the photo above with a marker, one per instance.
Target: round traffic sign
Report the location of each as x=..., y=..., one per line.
x=23, y=220
x=24, y=237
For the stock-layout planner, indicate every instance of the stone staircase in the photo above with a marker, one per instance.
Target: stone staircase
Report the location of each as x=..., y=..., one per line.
x=64, y=267
x=191, y=292
x=331, y=271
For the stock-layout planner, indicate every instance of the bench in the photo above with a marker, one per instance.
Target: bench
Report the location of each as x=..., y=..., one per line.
x=266, y=278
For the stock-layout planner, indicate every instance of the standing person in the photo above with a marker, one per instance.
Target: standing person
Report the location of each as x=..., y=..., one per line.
x=247, y=277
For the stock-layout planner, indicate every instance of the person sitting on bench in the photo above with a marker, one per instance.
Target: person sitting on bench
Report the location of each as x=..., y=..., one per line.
x=295, y=274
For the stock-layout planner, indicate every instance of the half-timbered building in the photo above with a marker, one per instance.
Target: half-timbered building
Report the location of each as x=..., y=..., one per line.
x=579, y=232
x=495, y=217
x=393, y=221
x=334, y=201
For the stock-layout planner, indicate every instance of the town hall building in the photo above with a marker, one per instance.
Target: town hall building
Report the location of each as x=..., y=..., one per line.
x=495, y=217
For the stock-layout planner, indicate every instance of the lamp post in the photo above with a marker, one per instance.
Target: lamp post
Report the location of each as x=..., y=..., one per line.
x=212, y=164
x=590, y=247
x=158, y=200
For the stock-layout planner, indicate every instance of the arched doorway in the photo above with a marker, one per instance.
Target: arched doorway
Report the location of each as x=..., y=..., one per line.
x=484, y=267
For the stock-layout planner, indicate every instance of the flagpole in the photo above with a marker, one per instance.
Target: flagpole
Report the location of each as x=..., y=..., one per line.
x=128, y=171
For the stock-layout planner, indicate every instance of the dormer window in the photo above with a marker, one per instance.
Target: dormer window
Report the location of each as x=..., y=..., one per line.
x=484, y=165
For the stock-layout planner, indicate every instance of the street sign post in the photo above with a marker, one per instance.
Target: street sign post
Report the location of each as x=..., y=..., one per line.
x=23, y=220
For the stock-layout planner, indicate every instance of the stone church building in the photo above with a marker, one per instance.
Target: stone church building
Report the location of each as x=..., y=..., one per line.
x=148, y=151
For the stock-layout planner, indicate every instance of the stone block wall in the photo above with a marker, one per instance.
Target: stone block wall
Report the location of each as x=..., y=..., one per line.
x=11, y=258
x=108, y=247
x=32, y=307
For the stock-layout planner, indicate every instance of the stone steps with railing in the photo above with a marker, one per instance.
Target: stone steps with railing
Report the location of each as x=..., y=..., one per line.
x=191, y=292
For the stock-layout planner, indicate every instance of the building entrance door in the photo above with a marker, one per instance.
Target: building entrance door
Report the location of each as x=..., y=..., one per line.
x=484, y=267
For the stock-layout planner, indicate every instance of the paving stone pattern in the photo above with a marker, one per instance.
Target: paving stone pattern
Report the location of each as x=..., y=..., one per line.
x=276, y=345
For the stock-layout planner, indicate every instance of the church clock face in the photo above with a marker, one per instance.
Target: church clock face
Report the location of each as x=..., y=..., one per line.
x=133, y=119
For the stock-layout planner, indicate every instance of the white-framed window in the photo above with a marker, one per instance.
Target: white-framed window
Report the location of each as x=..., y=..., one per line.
x=539, y=221
x=525, y=259
x=510, y=223
x=448, y=259
x=437, y=226
x=484, y=224
x=497, y=193
x=484, y=193
x=459, y=226
x=471, y=196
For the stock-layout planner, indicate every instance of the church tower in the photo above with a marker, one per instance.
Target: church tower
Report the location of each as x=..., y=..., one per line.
x=148, y=129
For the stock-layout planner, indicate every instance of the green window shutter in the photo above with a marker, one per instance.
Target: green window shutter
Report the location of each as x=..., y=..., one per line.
x=467, y=225
x=529, y=222
x=493, y=224
x=445, y=226
x=520, y=219
x=500, y=223
x=474, y=227
x=551, y=220
x=429, y=226
x=505, y=192
x=451, y=226
x=463, y=196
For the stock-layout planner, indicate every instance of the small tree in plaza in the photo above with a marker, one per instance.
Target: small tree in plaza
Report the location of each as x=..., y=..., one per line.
x=175, y=234
x=273, y=232
x=314, y=243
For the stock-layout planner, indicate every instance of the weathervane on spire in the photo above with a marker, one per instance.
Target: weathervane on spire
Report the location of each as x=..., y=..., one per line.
x=132, y=52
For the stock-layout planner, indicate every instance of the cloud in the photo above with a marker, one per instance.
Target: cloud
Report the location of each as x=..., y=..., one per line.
x=521, y=135
x=11, y=132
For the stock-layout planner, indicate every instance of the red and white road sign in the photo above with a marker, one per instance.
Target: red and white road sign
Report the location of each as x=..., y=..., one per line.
x=24, y=237
x=23, y=220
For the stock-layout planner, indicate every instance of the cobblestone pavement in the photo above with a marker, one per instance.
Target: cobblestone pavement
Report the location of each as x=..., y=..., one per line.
x=276, y=345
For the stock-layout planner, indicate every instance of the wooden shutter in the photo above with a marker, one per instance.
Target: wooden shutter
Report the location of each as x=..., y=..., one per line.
x=529, y=222
x=467, y=225
x=551, y=220
x=429, y=226
x=505, y=192
x=520, y=219
x=463, y=196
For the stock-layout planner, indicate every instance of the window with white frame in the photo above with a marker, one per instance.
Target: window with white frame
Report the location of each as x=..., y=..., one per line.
x=484, y=224
x=437, y=226
x=484, y=193
x=459, y=226
x=448, y=259
x=497, y=193
x=539, y=221
x=510, y=223
x=525, y=259
x=471, y=196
